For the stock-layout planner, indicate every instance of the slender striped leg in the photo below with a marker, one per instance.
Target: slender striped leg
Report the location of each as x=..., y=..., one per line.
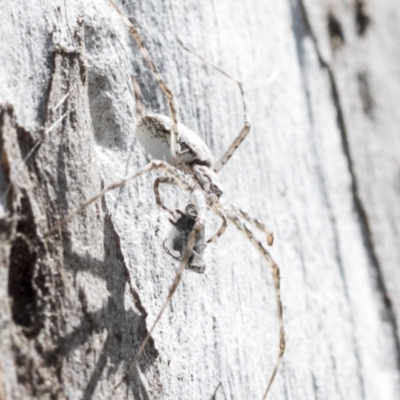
x=232, y=216
x=139, y=104
x=259, y=225
x=253, y=221
x=159, y=202
x=153, y=165
x=247, y=124
x=277, y=282
x=175, y=147
x=197, y=228
x=222, y=228
x=214, y=396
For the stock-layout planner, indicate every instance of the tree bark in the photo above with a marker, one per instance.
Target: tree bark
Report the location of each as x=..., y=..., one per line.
x=320, y=168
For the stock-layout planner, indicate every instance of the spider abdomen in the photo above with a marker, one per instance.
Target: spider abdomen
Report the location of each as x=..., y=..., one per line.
x=154, y=134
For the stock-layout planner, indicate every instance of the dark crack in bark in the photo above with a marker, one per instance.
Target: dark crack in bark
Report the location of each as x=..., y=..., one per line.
x=301, y=30
x=365, y=228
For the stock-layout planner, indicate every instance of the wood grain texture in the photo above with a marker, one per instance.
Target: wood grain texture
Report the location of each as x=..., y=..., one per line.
x=321, y=168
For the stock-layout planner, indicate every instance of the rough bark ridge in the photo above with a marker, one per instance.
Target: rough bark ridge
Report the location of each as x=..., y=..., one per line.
x=321, y=168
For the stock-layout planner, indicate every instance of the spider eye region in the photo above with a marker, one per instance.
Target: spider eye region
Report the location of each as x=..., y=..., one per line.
x=216, y=190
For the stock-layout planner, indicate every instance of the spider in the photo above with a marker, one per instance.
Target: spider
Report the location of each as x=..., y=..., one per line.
x=187, y=161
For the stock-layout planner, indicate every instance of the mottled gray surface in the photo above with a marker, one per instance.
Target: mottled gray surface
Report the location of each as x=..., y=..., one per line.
x=321, y=168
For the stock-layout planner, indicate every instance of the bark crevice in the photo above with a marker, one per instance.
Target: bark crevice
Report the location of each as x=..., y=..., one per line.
x=359, y=208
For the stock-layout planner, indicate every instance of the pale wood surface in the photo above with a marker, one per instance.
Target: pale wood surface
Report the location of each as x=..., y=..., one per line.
x=321, y=168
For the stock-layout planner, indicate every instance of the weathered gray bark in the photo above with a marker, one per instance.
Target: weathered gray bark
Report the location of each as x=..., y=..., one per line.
x=321, y=168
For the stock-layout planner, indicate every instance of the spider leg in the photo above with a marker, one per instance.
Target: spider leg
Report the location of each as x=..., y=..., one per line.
x=222, y=228
x=185, y=259
x=139, y=104
x=277, y=282
x=175, y=147
x=246, y=126
x=155, y=164
x=214, y=396
x=255, y=222
x=259, y=225
x=276, y=279
x=157, y=182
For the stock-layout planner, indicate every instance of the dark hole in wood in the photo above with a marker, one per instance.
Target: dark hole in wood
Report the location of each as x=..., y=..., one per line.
x=23, y=259
x=361, y=17
x=335, y=30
